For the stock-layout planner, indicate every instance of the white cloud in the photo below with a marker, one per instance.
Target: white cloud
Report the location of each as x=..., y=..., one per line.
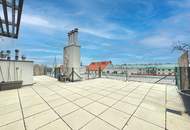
x=168, y=31
x=39, y=21
x=43, y=50
x=157, y=41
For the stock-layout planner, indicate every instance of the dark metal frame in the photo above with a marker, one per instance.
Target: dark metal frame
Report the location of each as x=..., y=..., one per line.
x=14, y=24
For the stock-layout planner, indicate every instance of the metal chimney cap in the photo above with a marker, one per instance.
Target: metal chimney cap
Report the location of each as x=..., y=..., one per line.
x=8, y=51
x=16, y=50
x=76, y=29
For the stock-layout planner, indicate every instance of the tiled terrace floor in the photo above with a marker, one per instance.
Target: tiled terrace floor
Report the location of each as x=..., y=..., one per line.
x=99, y=104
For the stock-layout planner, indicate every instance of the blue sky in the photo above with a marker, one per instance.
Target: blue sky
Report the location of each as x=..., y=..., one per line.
x=123, y=31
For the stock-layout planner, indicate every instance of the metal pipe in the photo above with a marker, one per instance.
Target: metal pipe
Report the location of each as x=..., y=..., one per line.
x=16, y=54
x=69, y=37
x=8, y=55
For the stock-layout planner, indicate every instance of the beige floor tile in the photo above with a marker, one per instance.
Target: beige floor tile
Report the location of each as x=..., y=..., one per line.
x=32, y=102
x=78, y=119
x=104, y=93
x=95, y=108
x=57, y=102
x=94, y=96
x=9, y=102
x=98, y=124
x=65, y=93
x=137, y=124
x=115, y=96
x=35, y=109
x=18, y=125
x=83, y=101
x=153, y=106
x=157, y=100
x=155, y=117
x=51, y=97
x=131, y=100
x=177, y=122
x=107, y=101
x=125, y=107
x=56, y=125
x=9, y=108
x=10, y=117
x=115, y=117
x=41, y=119
x=73, y=97
x=66, y=108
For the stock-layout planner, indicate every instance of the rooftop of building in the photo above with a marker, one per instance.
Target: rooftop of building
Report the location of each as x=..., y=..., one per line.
x=99, y=104
x=95, y=66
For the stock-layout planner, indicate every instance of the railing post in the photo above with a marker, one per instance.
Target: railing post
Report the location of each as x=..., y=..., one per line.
x=99, y=72
x=88, y=73
x=72, y=75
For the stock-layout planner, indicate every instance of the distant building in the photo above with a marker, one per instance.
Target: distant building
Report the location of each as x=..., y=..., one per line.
x=95, y=66
x=141, y=69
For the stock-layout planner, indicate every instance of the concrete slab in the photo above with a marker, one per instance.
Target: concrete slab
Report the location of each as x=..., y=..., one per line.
x=40, y=120
x=95, y=108
x=78, y=119
x=177, y=122
x=57, y=102
x=66, y=109
x=115, y=117
x=155, y=117
x=125, y=107
x=29, y=111
x=73, y=97
x=98, y=124
x=56, y=125
x=18, y=125
x=10, y=117
x=131, y=100
x=9, y=108
x=107, y=101
x=138, y=124
x=83, y=101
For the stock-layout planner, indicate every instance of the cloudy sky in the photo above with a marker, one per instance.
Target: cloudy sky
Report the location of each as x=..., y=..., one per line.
x=123, y=31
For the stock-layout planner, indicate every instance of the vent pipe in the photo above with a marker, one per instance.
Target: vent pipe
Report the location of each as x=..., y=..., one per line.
x=76, y=36
x=16, y=54
x=23, y=57
x=8, y=55
x=1, y=54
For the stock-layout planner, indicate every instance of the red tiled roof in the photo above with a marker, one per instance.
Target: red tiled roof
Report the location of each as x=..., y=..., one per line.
x=95, y=66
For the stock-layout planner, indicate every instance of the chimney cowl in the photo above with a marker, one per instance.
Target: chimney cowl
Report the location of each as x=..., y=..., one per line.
x=76, y=29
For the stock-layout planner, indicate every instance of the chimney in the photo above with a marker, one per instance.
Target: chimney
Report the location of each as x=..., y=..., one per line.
x=76, y=35
x=16, y=54
x=8, y=55
x=72, y=37
x=69, y=37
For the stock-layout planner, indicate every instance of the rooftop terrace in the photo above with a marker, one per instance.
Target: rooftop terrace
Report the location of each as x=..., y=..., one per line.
x=99, y=104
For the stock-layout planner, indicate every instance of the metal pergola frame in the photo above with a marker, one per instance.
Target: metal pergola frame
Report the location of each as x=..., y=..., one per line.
x=10, y=27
